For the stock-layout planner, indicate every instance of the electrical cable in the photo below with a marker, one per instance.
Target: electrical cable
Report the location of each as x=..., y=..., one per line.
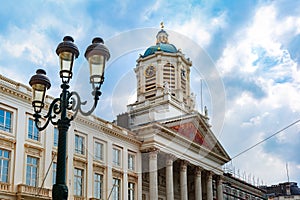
x=244, y=151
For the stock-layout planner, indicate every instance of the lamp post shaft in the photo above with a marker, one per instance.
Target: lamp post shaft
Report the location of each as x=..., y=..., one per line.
x=60, y=189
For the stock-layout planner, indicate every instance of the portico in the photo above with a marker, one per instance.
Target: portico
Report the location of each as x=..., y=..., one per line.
x=168, y=177
x=176, y=167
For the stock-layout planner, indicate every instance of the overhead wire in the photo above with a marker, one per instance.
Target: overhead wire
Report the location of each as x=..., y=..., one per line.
x=267, y=138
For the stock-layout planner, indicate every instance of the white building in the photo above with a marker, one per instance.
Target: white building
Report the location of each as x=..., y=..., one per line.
x=99, y=153
x=166, y=150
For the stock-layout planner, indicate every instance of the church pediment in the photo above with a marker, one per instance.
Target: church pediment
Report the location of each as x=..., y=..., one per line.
x=195, y=128
x=189, y=131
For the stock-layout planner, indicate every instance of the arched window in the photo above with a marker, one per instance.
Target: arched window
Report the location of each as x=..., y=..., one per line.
x=183, y=83
x=150, y=81
x=169, y=76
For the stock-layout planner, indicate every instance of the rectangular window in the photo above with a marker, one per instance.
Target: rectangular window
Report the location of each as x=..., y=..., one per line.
x=79, y=144
x=131, y=161
x=116, y=189
x=78, y=182
x=33, y=132
x=98, y=185
x=131, y=191
x=54, y=166
x=55, y=137
x=98, y=151
x=116, y=157
x=31, y=171
x=4, y=165
x=5, y=120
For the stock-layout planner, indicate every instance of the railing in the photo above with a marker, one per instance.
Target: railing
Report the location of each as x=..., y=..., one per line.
x=5, y=187
x=34, y=191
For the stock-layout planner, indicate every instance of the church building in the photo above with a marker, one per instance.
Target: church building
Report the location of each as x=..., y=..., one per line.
x=181, y=157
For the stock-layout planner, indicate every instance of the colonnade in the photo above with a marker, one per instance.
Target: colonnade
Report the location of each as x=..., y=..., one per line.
x=198, y=172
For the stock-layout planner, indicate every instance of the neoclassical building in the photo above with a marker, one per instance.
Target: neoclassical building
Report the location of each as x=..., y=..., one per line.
x=160, y=149
x=181, y=157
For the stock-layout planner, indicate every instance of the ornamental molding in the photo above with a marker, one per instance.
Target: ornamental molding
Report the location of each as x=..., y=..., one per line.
x=151, y=150
x=7, y=142
x=99, y=168
x=117, y=173
x=132, y=177
x=77, y=162
x=15, y=93
x=108, y=128
x=33, y=150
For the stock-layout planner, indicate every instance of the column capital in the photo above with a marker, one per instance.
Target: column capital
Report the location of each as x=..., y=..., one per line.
x=220, y=177
x=151, y=149
x=183, y=165
x=153, y=155
x=170, y=159
x=198, y=170
x=209, y=174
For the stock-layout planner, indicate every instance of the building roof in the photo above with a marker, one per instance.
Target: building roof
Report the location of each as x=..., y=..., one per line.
x=162, y=44
x=169, y=48
x=282, y=189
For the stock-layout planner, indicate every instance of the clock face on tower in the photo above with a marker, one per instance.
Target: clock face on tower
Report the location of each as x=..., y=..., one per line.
x=150, y=71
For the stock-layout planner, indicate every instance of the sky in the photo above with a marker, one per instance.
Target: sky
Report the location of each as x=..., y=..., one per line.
x=250, y=77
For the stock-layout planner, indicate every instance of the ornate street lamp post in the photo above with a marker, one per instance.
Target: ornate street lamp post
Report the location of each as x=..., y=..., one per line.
x=96, y=54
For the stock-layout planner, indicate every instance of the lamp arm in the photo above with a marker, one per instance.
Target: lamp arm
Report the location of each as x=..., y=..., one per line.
x=77, y=103
x=54, y=110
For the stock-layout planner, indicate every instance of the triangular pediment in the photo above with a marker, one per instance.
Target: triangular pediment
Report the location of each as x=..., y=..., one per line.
x=189, y=131
x=195, y=128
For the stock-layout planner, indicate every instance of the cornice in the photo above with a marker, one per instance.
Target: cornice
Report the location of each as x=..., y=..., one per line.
x=109, y=128
x=15, y=93
x=241, y=185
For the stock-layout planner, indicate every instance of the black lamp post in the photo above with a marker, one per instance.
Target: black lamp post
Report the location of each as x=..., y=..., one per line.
x=96, y=54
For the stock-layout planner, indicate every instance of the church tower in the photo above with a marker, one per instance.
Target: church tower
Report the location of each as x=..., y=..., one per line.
x=163, y=83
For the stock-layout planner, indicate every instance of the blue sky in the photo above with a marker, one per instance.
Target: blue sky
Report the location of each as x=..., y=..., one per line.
x=254, y=45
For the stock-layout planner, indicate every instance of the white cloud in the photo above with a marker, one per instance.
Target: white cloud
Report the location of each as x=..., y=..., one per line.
x=257, y=54
x=147, y=14
x=199, y=27
x=262, y=34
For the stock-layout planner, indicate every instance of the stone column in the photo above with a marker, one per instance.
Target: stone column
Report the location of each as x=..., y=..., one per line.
x=219, y=188
x=183, y=180
x=153, y=183
x=209, y=186
x=169, y=177
x=198, y=185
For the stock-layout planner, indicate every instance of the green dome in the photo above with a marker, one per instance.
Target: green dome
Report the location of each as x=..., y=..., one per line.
x=169, y=48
